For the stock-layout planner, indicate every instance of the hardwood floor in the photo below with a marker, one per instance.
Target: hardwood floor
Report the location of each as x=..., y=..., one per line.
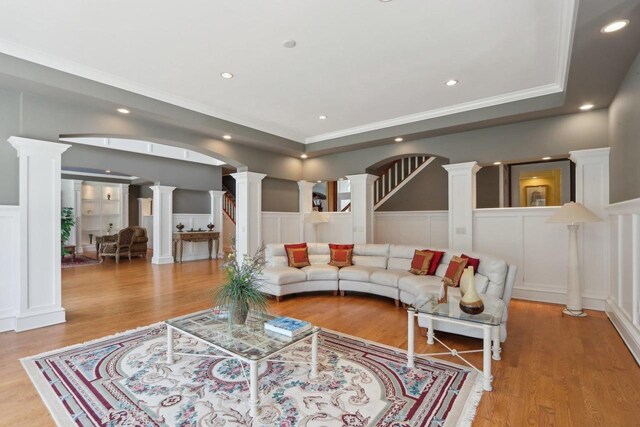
x=555, y=371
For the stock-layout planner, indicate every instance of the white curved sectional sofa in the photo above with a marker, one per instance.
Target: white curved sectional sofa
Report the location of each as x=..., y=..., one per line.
x=383, y=269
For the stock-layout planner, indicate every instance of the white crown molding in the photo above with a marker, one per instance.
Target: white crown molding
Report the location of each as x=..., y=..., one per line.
x=99, y=175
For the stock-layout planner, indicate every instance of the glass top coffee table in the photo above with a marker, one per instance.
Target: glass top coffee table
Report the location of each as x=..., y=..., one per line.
x=248, y=342
x=488, y=321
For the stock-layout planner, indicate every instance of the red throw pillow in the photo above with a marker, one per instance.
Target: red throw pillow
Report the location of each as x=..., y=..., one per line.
x=298, y=257
x=421, y=262
x=293, y=246
x=435, y=261
x=341, y=257
x=339, y=246
x=471, y=262
x=454, y=271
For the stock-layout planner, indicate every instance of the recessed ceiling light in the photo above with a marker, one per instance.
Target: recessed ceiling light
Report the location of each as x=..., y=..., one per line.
x=385, y=1
x=586, y=107
x=497, y=163
x=227, y=137
x=451, y=82
x=289, y=43
x=226, y=75
x=318, y=182
x=303, y=156
x=398, y=139
x=615, y=26
x=546, y=158
x=323, y=117
x=535, y=177
x=123, y=111
x=108, y=171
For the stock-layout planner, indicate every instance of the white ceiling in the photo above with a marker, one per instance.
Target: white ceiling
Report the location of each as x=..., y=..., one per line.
x=366, y=64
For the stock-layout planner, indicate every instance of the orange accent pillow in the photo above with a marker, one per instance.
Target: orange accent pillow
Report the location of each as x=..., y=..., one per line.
x=421, y=262
x=298, y=257
x=293, y=246
x=341, y=257
x=454, y=271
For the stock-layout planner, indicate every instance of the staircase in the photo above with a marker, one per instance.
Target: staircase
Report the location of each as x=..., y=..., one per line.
x=229, y=206
x=397, y=175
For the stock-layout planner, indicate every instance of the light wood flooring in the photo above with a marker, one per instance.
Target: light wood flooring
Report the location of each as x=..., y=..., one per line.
x=555, y=371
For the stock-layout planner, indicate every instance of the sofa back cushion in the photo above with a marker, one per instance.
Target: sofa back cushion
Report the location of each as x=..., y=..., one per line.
x=371, y=255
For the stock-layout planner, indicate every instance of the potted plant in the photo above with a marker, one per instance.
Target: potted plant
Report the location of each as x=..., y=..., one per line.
x=242, y=290
x=67, y=221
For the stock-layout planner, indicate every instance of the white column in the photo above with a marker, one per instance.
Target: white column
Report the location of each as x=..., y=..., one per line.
x=592, y=190
x=362, y=207
x=462, y=202
x=248, y=212
x=305, y=205
x=39, y=297
x=124, y=204
x=162, y=224
x=217, y=218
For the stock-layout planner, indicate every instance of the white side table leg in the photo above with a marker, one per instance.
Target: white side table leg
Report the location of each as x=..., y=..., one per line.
x=430, y=333
x=314, y=355
x=410, y=337
x=253, y=387
x=496, y=343
x=169, y=344
x=486, y=357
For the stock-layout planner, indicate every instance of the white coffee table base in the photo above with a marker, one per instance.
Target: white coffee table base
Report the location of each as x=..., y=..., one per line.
x=491, y=335
x=252, y=380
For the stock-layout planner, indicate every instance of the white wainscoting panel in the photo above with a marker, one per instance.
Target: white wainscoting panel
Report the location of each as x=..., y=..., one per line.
x=337, y=230
x=281, y=227
x=9, y=265
x=196, y=250
x=623, y=303
x=426, y=228
x=523, y=237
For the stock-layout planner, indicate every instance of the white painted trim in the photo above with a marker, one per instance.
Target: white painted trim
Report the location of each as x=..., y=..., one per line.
x=11, y=272
x=556, y=298
x=148, y=148
x=39, y=319
x=403, y=182
x=625, y=328
x=543, y=90
x=99, y=175
x=626, y=207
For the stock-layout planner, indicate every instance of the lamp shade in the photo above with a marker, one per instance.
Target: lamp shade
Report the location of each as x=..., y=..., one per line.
x=573, y=213
x=315, y=217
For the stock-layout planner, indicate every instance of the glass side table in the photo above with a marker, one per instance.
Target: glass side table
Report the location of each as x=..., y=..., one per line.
x=488, y=321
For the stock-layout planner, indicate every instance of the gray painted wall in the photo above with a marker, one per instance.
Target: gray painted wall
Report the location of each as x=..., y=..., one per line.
x=523, y=141
x=9, y=125
x=488, y=187
x=624, y=132
x=191, y=201
x=279, y=195
x=427, y=191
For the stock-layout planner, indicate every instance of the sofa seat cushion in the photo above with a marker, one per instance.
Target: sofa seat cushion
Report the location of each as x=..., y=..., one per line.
x=388, y=277
x=283, y=275
x=357, y=273
x=321, y=272
x=416, y=285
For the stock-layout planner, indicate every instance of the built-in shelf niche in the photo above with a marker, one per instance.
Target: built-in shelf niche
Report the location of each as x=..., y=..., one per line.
x=102, y=204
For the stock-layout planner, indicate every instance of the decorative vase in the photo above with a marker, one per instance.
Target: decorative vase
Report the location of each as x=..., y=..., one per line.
x=470, y=302
x=238, y=314
x=108, y=196
x=180, y=226
x=210, y=227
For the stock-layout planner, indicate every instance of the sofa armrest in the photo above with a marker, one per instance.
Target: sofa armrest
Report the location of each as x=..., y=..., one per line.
x=509, y=283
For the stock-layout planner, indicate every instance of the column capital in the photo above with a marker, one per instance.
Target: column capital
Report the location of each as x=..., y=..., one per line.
x=305, y=184
x=363, y=177
x=459, y=168
x=248, y=176
x=594, y=153
x=28, y=146
x=218, y=193
x=162, y=188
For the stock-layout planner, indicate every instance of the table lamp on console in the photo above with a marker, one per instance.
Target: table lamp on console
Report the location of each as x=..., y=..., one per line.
x=573, y=214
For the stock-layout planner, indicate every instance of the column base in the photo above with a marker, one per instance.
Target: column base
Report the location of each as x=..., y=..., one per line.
x=162, y=260
x=573, y=313
x=24, y=322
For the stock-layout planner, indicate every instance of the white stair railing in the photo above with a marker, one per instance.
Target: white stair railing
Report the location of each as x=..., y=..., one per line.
x=396, y=176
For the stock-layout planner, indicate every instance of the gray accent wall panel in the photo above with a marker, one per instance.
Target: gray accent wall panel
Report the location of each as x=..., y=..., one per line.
x=488, y=187
x=279, y=195
x=9, y=125
x=624, y=131
x=191, y=202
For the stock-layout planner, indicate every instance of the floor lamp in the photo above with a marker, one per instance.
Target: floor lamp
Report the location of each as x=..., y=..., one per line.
x=315, y=218
x=573, y=214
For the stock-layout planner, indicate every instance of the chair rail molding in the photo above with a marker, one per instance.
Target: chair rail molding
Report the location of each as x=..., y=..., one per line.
x=39, y=293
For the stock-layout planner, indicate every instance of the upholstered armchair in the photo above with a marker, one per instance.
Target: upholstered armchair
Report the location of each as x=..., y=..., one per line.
x=121, y=247
x=139, y=243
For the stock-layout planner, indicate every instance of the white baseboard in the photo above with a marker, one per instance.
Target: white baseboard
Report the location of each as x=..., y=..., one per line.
x=39, y=319
x=590, y=303
x=630, y=334
x=7, y=320
x=162, y=260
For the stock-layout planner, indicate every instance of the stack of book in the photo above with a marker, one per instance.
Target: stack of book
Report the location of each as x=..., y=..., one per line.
x=287, y=326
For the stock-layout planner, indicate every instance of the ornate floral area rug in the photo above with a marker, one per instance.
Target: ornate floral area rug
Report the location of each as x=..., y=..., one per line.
x=124, y=380
x=79, y=261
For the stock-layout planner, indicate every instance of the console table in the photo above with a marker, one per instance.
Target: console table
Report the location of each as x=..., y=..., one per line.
x=194, y=236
